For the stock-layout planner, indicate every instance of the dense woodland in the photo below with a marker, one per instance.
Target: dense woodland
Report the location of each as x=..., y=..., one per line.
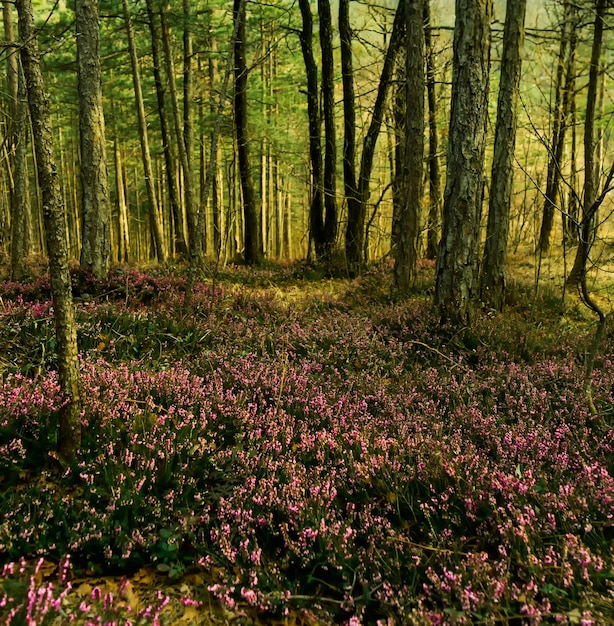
x=288, y=141
x=305, y=313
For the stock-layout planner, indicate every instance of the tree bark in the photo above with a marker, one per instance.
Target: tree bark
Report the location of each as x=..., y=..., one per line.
x=316, y=208
x=184, y=156
x=349, y=109
x=457, y=263
x=154, y=214
x=407, y=234
x=181, y=246
x=587, y=229
x=188, y=81
x=252, y=236
x=330, y=140
x=434, y=216
x=96, y=204
x=69, y=438
x=495, y=252
x=355, y=232
x=123, y=227
x=564, y=81
x=21, y=237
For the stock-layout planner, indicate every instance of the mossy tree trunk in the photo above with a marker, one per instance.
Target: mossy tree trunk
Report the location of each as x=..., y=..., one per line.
x=21, y=226
x=55, y=234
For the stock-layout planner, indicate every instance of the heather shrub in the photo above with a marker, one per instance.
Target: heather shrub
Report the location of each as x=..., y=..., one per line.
x=344, y=456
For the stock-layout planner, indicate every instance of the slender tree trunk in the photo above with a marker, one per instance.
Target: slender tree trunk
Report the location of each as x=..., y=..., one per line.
x=95, y=201
x=154, y=212
x=456, y=281
x=330, y=140
x=252, y=235
x=17, y=136
x=188, y=82
x=349, y=109
x=316, y=209
x=122, y=210
x=55, y=230
x=181, y=245
x=355, y=232
x=216, y=205
x=405, y=253
x=587, y=230
x=397, y=152
x=495, y=253
x=434, y=216
x=571, y=217
x=564, y=79
x=184, y=156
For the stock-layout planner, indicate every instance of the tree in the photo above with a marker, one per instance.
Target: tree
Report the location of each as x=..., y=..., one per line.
x=349, y=110
x=457, y=263
x=405, y=253
x=587, y=227
x=330, y=141
x=434, y=214
x=316, y=208
x=181, y=246
x=355, y=231
x=563, y=97
x=184, y=154
x=95, y=202
x=21, y=226
x=492, y=285
x=154, y=216
x=252, y=237
x=69, y=438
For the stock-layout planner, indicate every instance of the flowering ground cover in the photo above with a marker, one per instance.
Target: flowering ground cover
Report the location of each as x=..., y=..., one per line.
x=308, y=448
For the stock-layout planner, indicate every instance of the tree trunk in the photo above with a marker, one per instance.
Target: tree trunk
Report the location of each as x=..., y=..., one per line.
x=432, y=228
x=587, y=230
x=564, y=80
x=216, y=205
x=122, y=209
x=349, y=109
x=17, y=136
x=69, y=438
x=330, y=140
x=184, y=156
x=457, y=262
x=316, y=209
x=355, y=232
x=492, y=285
x=154, y=214
x=95, y=201
x=252, y=235
x=397, y=152
x=407, y=234
x=188, y=82
x=181, y=246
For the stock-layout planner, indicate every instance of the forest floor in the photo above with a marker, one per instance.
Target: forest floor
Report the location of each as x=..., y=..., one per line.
x=304, y=449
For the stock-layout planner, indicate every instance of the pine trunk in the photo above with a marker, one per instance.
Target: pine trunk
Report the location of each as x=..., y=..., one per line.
x=95, y=201
x=407, y=235
x=456, y=281
x=55, y=232
x=495, y=252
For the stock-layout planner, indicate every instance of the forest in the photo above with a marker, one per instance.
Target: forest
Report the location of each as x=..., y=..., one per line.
x=306, y=312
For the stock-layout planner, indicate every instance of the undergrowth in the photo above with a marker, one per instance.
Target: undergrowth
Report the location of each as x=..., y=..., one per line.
x=336, y=452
